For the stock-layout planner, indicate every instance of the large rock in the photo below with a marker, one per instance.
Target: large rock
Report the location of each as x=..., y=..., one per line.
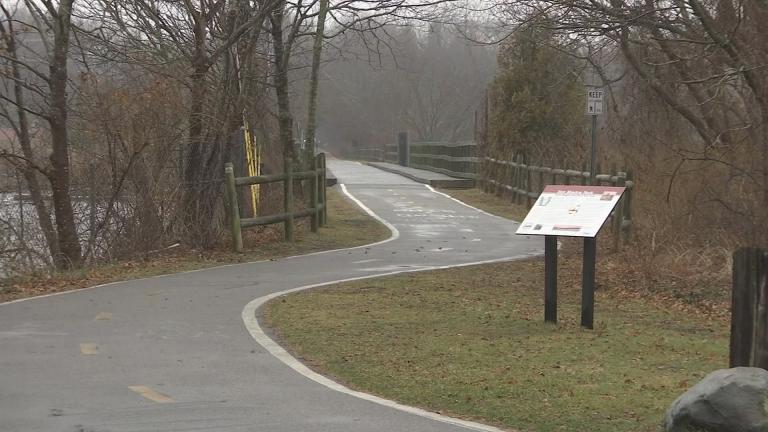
x=727, y=400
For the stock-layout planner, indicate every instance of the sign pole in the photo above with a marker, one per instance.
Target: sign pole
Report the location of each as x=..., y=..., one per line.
x=550, y=279
x=594, y=109
x=593, y=164
x=588, y=283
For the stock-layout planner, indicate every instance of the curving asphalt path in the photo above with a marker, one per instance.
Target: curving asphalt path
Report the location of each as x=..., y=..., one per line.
x=172, y=353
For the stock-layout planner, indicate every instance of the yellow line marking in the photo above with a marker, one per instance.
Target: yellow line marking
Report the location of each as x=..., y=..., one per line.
x=89, y=348
x=103, y=316
x=151, y=394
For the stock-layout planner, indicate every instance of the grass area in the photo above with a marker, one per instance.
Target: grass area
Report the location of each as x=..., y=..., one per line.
x=471, y=342
x=347, y=226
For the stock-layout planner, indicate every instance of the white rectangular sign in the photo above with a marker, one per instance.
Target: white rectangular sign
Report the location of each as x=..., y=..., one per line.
x=595, y=102
x=571, y=211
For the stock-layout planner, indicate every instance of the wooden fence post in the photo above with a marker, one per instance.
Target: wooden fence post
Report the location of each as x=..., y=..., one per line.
x=500, y=165
x=514, y=183
x=323, y=195
x=749, y=308
x=628, y=205
x=403, y=149
x=313, y=195
x=618, y=212
x=288, y=199
x=519, y=180
x=528, y=186
x=234, y=209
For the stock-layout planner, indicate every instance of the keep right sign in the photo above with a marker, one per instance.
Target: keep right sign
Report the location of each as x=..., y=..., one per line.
x=595, y=102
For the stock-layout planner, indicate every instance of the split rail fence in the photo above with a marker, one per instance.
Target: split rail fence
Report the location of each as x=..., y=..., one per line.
x=525, y=182
x=317, y=209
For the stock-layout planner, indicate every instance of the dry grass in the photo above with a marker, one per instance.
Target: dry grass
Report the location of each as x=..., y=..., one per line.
x=655, y=267
x=471, y=342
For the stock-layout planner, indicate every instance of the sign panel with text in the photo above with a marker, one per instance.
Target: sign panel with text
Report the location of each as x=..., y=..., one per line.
x=571, y=211
x=595, y=102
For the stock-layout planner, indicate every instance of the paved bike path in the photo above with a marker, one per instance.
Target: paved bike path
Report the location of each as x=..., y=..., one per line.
x=172, y=353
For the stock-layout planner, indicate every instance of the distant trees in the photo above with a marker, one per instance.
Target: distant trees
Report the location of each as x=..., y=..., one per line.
x=428, y=80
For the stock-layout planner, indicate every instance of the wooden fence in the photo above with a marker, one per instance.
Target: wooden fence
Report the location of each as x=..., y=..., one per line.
x=317, y=199
x=453, y=159
x=525, y=182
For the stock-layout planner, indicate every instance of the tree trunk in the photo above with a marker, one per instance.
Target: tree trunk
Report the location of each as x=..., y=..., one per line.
x=317, y=51
x=281, y=55
x=29, y=173
x=70, y=255
x=196, y=223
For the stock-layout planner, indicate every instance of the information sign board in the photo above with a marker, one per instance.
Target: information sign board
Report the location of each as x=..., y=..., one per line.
x=571, y=211
x=595, y=102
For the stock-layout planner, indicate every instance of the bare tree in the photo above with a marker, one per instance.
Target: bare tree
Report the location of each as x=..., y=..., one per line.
x=52, y=22
x=705, y=61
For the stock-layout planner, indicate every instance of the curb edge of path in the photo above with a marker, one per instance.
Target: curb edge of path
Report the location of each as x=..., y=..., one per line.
x=251, y=322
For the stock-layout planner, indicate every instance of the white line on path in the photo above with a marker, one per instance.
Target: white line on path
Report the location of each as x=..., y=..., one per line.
x=249, y=318
x=366, y=261
x=258, y=334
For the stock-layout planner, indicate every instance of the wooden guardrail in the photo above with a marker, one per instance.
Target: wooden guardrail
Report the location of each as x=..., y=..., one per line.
x=317, y=199
x=453, y=159
x=525, y=182
x=375, y=155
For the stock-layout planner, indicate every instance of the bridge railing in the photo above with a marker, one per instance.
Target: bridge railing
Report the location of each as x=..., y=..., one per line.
x=524, y=181
x=454, y=159
x=317, y=209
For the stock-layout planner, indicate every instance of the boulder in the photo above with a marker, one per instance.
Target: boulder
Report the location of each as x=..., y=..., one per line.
x=727, y=400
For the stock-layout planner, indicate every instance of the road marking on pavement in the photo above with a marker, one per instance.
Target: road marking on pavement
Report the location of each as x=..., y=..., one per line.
x=366, y=261
x=465, y=204
x=251, y=323
x=152, y=395
x=89, y=349
x=103, y=316
x=258, y=334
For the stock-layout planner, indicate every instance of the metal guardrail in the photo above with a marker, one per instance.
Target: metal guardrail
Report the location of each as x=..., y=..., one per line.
x=317, y=201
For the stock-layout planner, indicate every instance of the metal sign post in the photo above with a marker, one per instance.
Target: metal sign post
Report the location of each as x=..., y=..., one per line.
x=594, y=108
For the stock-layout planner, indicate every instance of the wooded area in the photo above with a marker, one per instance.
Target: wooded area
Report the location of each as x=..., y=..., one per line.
x=118, y=116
